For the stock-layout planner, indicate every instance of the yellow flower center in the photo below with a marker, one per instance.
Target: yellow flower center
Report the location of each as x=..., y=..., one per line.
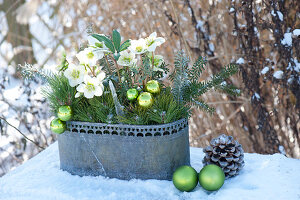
x=127, y=60
x=75, y=74
x=139, y=49
x=90, y=55
x=90, y=87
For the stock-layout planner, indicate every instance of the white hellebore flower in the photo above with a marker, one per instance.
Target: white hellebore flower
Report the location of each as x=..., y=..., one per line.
x=93, y=42
x=158, y=60
x=92, y=86
x=152, y=41
x=75, y=74
x=138, y=46
x=126, y=59
x=89, y=56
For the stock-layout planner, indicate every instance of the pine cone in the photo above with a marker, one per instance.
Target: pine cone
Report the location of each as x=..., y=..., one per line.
x=226, y=153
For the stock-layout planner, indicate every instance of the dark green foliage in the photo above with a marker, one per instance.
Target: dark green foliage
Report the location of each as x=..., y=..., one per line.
x=81, y=112
x=159, y=74
x=228, y=89
x=166, y=109
x=188, y=90
x=197, y=69
x=98, y=109
x=58, y=92
x=108, y=43
x=135, y=115
x=125, y=45
x=116, y=37
x=115, y=43
x=179, y=77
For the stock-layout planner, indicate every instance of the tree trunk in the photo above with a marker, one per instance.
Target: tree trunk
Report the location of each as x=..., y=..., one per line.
x=18, y=35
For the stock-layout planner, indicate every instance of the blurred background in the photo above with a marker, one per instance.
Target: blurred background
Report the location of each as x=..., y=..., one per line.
x=263, y=37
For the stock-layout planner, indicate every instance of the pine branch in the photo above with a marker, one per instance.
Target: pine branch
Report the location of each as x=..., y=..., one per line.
x=58, y=92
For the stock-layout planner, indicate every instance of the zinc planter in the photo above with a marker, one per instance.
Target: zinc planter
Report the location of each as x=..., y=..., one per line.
x=124, y=151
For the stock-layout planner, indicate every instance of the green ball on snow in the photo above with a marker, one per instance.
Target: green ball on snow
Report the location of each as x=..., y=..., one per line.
x=185, y=178
x=211, y=177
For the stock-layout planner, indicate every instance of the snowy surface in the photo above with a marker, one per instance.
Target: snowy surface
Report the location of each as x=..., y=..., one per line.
x=240, y=61
x=264, y=177
x=264, y=70
x=296, y=32
x=278, y=74
x=287, y=40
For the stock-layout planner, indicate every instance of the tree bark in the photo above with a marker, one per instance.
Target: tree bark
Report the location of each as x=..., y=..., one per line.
x=18, y=35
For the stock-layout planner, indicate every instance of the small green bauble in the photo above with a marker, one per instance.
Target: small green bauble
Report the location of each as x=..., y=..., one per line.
x=211, y=177
x=132, y=94
x=153, y=87
x=185, y=178
x=145, y=100
x=57, y=126
x=64, y=113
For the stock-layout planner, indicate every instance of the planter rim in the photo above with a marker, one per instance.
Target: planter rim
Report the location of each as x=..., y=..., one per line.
x=183, y=120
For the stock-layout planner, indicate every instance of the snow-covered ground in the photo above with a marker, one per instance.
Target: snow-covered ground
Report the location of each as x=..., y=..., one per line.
x=265, y=177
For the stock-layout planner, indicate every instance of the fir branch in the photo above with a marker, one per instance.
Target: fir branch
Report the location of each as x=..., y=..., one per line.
x=197, y=69
x=202, y=105
x=29, y=72
x=228, y=89
x=180, y=75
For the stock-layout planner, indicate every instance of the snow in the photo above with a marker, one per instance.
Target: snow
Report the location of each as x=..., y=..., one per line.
x=296, y=32
x=297, y=65
x=200, y=25
x=287, y=40
x=278, y=74
x=240, y=61
x=263, y=177
x=264, y=70
x=280, y=15
x=256, y=96
x=211, y=47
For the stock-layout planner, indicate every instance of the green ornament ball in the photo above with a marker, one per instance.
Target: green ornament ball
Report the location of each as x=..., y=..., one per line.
x=57, y=126
x=132, y=94
x=211, y=177
x=64, y=113
x=185, y=178
x=145, y=100
x=153, y=87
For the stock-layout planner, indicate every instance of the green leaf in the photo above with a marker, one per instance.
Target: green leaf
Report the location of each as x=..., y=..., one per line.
x=116, y=39
x=125, y=45
x=106, y=41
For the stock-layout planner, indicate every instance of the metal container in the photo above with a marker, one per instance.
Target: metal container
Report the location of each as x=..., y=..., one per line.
x=124, y=151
